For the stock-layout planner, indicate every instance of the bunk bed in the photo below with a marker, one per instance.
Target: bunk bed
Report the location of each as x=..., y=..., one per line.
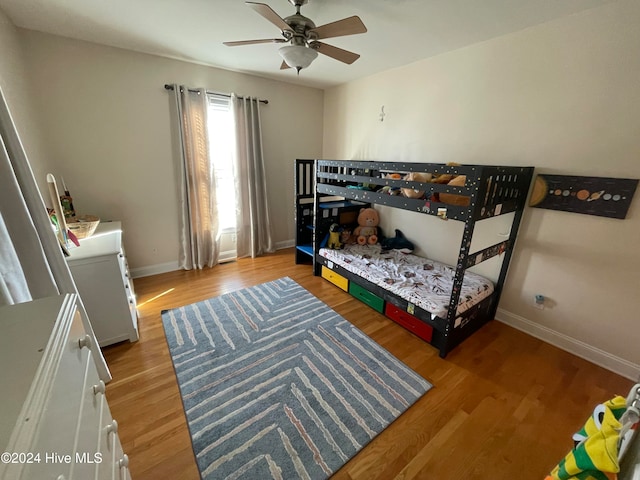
x=463, y=301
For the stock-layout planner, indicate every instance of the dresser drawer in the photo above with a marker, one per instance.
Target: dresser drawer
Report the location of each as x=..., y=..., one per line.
x=367, y=297
x=106, y=440
x=56, y=432
x=335, y=278
x=88, y=455
x=115, y=464
x=408, y=321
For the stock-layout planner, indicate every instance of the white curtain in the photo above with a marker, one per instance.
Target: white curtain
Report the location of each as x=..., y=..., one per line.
x=253, y=228
x=27, y=224
x=13, y=284
x=199, y=229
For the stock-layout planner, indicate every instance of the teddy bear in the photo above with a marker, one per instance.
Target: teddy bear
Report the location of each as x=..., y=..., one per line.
x=367, y=232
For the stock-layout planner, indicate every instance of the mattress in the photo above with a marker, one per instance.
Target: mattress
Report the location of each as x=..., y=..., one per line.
x=419, y=280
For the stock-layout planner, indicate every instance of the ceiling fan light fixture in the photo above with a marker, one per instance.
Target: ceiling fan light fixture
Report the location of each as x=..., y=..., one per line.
x=297, y=56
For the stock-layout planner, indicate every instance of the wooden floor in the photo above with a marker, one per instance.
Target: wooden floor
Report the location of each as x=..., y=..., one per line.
x=504, y=405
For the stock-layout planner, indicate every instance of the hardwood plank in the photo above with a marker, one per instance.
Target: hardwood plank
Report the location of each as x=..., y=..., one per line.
x=504, y=404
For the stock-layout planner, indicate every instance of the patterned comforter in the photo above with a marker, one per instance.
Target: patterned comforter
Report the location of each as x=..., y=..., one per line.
x=418, y=280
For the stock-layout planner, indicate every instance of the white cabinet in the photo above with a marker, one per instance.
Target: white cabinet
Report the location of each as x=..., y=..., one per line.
x=54, y=421
x=100, y=271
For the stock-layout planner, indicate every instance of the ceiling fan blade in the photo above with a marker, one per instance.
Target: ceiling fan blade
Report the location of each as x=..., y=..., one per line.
x=284, y=65
x=267, y=12
x=344, y=56
x=340, y=28
x=252, y=42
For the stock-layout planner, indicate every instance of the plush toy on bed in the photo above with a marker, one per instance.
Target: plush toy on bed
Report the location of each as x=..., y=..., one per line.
x=416, y=177
x=399, y=242
x=367, y=232
x=452, y=198
x=346, y=237
x=334, y=237
x=388, y=189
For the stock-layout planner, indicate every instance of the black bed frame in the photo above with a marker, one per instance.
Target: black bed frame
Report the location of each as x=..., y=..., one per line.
x=493, y=191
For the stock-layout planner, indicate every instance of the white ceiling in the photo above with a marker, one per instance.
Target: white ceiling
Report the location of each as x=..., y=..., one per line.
x=399, y=31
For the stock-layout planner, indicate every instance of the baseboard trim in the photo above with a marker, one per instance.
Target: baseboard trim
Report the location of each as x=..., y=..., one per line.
x=576, y=347
x=285, y=244
x=228, y=256
x=154, y=269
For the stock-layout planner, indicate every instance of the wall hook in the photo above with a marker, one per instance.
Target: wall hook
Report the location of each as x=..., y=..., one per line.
x=382, y=114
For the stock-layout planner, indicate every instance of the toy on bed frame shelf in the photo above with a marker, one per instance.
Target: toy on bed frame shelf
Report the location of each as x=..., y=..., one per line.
x=465, y=193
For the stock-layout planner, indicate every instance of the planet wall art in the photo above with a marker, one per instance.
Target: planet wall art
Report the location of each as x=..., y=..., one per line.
x=605, y=197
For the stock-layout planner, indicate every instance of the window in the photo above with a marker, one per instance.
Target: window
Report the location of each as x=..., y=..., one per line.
x=222, y=140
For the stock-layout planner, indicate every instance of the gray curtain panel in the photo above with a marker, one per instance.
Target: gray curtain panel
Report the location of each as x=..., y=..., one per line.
x=199, y=228
x=254, y=236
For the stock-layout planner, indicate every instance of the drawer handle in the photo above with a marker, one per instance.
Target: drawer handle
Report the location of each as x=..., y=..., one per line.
x=99, y=388
x=124, y=461
x=112, y=427
x=84, y=342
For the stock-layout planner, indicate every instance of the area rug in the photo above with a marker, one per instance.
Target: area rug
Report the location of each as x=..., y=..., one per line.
x=275, y=384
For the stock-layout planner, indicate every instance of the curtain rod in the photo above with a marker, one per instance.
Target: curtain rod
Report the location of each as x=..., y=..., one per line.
x=170, y=87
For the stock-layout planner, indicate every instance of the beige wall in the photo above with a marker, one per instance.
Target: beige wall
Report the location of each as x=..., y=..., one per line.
x=106, y=118
x=14, y=82
x=563, y=97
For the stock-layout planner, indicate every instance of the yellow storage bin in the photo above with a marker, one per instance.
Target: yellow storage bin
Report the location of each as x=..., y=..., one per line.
x=335, y=278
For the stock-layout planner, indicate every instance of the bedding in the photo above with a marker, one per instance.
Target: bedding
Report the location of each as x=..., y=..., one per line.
x=419, y=280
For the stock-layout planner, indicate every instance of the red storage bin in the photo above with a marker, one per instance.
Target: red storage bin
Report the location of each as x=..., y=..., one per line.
x=408, y=321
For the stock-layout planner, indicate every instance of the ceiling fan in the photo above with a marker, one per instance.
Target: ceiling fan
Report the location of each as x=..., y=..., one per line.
x=303, y=36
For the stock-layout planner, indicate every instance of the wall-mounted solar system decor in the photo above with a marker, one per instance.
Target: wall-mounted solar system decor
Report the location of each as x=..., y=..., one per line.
x=604, y=197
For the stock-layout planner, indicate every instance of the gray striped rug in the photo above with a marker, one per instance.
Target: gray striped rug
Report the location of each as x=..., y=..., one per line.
x=275, y=384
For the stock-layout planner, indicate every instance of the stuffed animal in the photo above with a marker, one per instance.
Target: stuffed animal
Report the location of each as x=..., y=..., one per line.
x=416, y=177
x=445, y=177
x=399, y=242
x=452, y=198
x=367, y=232
x=334, y=237
x=346, y=237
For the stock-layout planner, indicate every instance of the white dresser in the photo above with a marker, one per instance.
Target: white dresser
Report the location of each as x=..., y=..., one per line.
x=100, y=271
x=55, y=422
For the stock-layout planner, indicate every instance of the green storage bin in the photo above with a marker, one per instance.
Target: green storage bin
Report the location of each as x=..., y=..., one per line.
x=367, y=297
